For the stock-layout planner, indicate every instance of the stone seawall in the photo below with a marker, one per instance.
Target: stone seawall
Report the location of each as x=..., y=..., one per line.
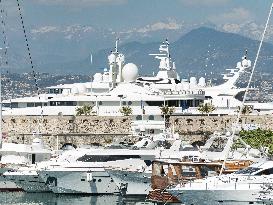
x=196, y=124
x=81, y=130
x=78, y=130
x=194, y=128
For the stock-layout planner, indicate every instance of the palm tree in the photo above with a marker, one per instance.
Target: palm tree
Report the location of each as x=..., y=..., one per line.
x=167, y=112
x=86, y=109
x=126, y=110
x=247, y=109
x=206, y=108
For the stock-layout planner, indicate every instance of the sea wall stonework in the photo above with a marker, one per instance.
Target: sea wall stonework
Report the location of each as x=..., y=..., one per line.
x=81, y=130
x=77, y=130
x=199, y=124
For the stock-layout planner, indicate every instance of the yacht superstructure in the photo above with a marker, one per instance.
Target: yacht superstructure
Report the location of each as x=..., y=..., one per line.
x=121, y=86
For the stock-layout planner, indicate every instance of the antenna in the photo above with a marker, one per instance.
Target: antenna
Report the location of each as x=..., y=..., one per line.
x=116, y=47
x=91, y=58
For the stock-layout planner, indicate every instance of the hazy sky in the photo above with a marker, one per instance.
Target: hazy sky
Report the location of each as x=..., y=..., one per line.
x=127, y=14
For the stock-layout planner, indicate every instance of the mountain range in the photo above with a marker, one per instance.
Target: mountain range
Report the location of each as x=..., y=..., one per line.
x=199, y=51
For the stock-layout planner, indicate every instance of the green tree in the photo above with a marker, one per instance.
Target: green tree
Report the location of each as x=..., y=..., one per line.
x=167, y=111
x=247, y=109
x=126, y=110
x=259, y=139
x=206, y=108
x=86, y=109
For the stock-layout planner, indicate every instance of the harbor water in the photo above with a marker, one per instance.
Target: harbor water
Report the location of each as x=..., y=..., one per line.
x=22, y=198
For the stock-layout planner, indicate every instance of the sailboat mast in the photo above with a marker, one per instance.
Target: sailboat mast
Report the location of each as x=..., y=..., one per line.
x=247, y=88
x=1, y=138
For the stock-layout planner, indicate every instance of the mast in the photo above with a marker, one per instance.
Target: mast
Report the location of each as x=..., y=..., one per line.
x=246, y=91
x=1, y=138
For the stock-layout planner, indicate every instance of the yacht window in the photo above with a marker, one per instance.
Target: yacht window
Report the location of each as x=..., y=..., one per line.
x=155, y=103
x=38, y=104
x=151, y=117
x=106, y=158
x=138, y=117
x=265, y=172
x=6, y=104
x=248, y=170
x=30, y=104
x=174, y=103
x=56, y=91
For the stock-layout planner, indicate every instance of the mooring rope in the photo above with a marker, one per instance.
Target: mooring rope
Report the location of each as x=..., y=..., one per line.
x=30, y=59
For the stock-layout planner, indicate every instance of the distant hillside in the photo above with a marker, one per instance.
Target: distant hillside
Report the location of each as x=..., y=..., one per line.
x=202, y=50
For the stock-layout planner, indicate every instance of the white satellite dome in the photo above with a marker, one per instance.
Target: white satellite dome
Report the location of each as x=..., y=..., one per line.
x=202, y=82
x=193, y=81
x=239, y=65
x=249, y=62
x=65, y=92
x=74, y=90
x=97, y=77
x=129, y=72
x=81, y=88
x=112, y=58
x=245, y=63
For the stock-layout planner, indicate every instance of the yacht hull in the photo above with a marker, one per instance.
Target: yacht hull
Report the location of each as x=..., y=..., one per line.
x=29, y=183
x=79, y=182
x=131, y=183
x=9, y=186
x=215, y=196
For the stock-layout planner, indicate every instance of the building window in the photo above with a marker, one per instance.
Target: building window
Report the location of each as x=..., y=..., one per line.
x=100, y=103
x=124, y=103
x=130, y=103
x=138, y=117
x=151, y=117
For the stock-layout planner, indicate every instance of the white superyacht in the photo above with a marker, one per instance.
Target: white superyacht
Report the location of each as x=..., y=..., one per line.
x=121, y=85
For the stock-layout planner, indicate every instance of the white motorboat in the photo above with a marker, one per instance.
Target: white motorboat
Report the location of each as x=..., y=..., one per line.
x=242, y=186
x=27, y=178
x=135, y=181
x=14, y=156
x=87, y=174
